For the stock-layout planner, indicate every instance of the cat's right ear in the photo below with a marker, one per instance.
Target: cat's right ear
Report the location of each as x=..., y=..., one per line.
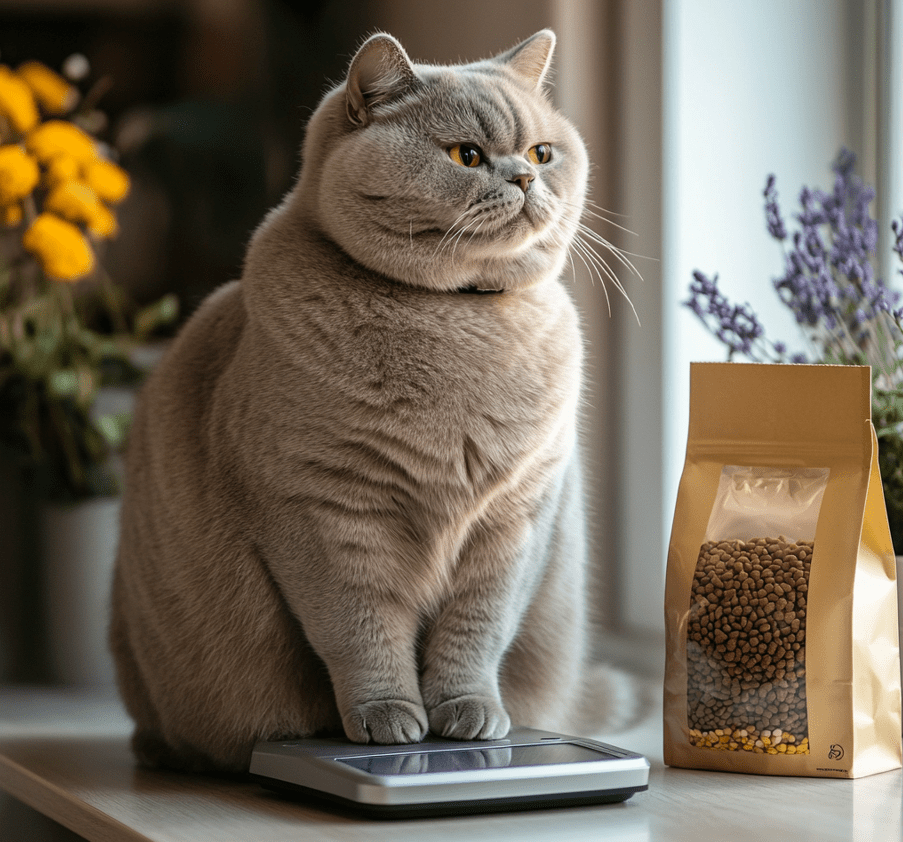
x=380, y=71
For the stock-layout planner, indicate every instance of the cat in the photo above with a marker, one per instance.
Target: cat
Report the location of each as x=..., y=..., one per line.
x=353, y=499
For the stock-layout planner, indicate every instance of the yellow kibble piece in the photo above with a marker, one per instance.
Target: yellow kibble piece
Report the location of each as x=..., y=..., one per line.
x=109, y=181
x=17, y=103
x=19, y=174
x=51, y=90
x=782, y=748
x=57, y=137
x=59, y=247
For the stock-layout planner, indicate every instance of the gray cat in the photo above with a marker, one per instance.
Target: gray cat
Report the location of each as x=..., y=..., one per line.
x=353, y=498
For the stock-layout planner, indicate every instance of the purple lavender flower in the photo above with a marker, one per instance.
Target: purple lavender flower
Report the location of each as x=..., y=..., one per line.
x=736, y=325
x=828, y=281
x=773, y=219
x=897, y=227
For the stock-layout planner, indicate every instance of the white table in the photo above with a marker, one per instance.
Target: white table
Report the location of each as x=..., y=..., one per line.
x=65, y=755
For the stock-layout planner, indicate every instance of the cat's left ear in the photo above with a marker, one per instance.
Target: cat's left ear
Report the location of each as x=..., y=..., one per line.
x=380, y=71
x=531, y=59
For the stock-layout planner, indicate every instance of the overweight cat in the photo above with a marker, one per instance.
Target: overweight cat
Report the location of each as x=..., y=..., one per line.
x=353, y=498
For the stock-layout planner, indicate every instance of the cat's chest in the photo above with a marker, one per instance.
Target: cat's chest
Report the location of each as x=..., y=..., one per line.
x=517, y=355
x=480, y=382
x=471, y=387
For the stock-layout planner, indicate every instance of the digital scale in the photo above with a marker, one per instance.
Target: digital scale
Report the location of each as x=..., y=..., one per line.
x=525, y=770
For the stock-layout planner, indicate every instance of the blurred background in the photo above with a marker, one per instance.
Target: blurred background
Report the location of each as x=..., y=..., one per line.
x=686, y=106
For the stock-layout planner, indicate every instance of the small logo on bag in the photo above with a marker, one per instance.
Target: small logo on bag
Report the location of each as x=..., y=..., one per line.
x=835, y=752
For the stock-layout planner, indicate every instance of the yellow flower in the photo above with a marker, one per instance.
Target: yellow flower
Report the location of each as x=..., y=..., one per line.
x=10, y=215
x=16, y=102
x=18, y=174
x=77, y=202
x=51, y=90
x=59, y=247
x=57, y=137
x=107, y=180
x=61, y=168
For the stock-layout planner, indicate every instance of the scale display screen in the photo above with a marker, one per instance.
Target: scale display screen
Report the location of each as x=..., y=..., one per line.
x=471, y=759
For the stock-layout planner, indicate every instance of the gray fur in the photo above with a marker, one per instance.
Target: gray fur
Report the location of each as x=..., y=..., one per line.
x=353, y=498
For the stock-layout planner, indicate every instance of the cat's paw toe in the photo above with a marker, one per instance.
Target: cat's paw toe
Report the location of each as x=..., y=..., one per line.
x=470, y=718
x=387, y=722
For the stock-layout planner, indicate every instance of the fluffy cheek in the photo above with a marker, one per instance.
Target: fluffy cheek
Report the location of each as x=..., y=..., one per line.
x=381, y=179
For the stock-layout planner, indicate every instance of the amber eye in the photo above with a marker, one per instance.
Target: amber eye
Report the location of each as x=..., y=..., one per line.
x=465, y=155
x=540, y=154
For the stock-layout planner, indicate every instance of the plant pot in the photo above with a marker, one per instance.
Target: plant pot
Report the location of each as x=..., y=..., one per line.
x=78, y=548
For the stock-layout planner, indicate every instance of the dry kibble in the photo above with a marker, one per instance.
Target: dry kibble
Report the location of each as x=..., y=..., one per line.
x=746, y=657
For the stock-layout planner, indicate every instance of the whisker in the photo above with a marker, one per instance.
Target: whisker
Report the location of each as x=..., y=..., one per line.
x=584, y=210
x=449, y=231
x=476, y=230
x=599, y=207
x=617, y=252
x=457, y=239
x=603, y=267
x=573, y=268
x=610, y=222
x=579, y=248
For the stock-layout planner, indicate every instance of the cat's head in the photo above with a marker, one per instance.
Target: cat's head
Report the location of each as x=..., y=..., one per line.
x=446, y=176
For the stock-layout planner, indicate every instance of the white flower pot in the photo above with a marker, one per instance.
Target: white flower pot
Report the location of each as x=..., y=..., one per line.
x=78, y=547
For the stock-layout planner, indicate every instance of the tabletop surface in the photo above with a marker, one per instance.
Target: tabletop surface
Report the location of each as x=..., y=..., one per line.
x=65, y=755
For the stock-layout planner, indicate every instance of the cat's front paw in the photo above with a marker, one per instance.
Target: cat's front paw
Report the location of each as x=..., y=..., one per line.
x=470, y=718
x=386, y=722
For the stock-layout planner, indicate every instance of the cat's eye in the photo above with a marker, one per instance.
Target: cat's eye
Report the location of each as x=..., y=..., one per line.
x=540, y=154
x=465, y=155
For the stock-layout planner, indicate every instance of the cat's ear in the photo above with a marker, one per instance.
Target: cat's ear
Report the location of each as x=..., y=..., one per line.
x=531, y=59
x=380, y=71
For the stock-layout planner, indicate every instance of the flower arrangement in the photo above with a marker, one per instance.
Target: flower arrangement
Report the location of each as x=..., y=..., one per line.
x=846, y=314
x=66, y=330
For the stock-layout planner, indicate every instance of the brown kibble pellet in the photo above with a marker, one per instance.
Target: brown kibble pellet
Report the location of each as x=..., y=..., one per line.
x=746, y=646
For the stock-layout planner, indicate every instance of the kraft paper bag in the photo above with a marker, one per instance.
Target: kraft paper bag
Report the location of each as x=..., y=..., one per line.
x=781, y=596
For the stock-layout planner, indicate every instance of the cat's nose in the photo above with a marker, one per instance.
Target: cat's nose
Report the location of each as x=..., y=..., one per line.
x=523, y=181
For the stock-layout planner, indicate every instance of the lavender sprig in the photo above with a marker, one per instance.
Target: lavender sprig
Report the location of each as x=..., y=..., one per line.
x=773, y=219
x=829, y=283
x=736, y=325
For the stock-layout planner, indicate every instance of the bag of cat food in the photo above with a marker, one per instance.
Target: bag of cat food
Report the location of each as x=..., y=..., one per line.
x=780, y=601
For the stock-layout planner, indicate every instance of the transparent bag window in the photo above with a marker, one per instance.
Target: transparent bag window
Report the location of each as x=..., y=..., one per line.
x=746, y=651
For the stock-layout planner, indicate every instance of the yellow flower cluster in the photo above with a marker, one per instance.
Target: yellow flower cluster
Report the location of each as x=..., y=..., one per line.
x=61, y=165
